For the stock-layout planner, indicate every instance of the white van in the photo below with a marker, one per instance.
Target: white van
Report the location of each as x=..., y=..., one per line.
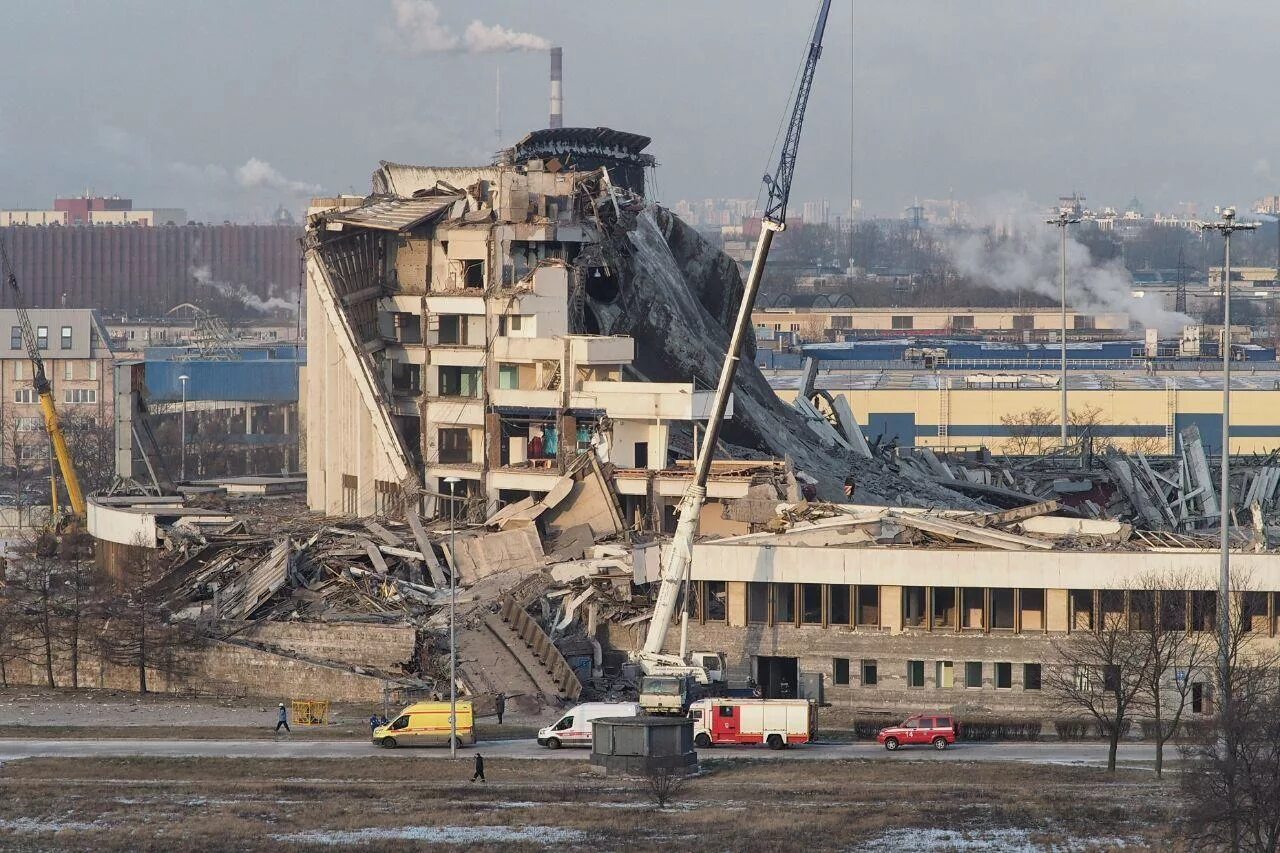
x=574, y=728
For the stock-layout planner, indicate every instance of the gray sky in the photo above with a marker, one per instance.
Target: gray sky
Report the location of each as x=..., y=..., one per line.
x=169, y=101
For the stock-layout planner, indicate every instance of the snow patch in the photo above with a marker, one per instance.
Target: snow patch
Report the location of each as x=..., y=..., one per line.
x=1005, y=840
x=32, y=824
x=544, y=835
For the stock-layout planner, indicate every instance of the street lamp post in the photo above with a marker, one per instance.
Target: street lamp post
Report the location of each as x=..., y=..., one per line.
x=1062, y=220
x=183, y=379
x=1225, y=226
x=452, y=483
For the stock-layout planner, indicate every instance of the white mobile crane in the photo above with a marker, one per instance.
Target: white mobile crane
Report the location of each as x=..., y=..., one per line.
x=661, y=669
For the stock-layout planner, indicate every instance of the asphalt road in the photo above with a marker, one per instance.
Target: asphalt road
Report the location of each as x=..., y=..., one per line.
x=1136, y=754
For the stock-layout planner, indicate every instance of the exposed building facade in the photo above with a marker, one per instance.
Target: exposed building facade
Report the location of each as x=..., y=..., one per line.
x=816, y=321
x=78, y=361
x=448, y=335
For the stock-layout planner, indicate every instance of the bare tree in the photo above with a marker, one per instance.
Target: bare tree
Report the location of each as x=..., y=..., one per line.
x=663, y=784
x=1030, y=433
x=12, y=647
x=93, y=447
x=1174, y=655
x=1232, y=780
x=136, y=627
x=1101, y=672
x=34, y=585
x=75, y=605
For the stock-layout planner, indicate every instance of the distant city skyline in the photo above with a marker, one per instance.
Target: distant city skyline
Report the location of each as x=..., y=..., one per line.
x=229, y=111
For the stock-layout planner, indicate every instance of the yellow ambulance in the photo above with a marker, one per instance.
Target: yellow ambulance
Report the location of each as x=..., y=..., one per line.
x=426, y=724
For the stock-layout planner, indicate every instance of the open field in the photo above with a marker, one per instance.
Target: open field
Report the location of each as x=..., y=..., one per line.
x=248, y=804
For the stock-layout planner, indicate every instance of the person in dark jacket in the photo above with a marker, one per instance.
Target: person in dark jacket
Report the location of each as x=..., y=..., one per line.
x=374, y=721
x=479, y=774
x=500, y=706
x=282, y=719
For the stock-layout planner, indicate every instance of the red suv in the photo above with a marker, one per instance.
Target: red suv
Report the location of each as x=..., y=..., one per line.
x=937, y=729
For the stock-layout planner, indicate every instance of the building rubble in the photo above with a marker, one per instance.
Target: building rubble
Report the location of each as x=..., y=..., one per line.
x=1178, y=493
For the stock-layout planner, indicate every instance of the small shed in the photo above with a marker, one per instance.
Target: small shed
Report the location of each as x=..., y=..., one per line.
x=639, y=745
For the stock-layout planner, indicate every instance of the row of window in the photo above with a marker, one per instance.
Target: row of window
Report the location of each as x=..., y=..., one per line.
x=944, y=676
x=69, y=395
x=68, y=370
x=42, y=337
x=946, y=608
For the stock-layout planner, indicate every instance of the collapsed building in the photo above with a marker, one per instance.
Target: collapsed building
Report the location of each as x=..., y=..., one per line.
x=491, y=323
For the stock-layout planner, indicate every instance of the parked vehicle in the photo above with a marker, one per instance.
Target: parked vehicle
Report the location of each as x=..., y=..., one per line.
x=574, y=728
x=776, y=722
x=936, y=729
x=426, y=724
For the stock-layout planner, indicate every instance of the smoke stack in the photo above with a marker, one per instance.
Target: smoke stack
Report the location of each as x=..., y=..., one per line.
x=557, y=97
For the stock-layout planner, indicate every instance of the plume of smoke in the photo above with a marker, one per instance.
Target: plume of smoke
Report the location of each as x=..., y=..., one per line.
x=418, y=29
x=259, y=173
x=1014, y=250
x=204, y=275
x=482, y=38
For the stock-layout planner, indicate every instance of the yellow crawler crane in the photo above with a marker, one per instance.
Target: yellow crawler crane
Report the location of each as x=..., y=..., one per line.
x=44, y=390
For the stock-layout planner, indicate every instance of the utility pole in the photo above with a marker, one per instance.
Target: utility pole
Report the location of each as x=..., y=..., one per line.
x=1062, y=220
x=183, y=379
x=1226, y=226
x=452, y=483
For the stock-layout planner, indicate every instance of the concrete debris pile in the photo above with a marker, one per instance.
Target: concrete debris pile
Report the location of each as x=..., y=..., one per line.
x=1034, y=527
x=1175, y=494
x=678, y=297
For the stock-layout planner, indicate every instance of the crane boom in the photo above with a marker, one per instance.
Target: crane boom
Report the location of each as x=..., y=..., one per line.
x=44, y=392
x=680, y=556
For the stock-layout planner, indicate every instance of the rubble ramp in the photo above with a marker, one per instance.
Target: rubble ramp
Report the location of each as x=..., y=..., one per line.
x=508, y=652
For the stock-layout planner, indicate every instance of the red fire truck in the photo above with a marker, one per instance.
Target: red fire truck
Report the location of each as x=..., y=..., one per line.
x=776, y=722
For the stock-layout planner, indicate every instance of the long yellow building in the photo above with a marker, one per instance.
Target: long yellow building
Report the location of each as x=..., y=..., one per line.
x=1019, y=412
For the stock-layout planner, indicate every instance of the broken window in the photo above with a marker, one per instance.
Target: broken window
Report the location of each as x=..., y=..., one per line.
x=1031, y=676
x=454, y=445
x=841, y=611
x=1253, y=611
x=717, y=595
x=973, y=674
x=915, y=673
x=811, y=604
x=972, y=607
x=1200, y=703
x=1203, y=610
x=453, y=329
x=1031, y=603
x=944, y=607
x=1002, y=609
x=944, y=674
x=459, y=381
x=1173, y=610
x=386, y=497
x=1083, y=321
x=1111, y=608
x=406, y=379
x=473, y=274
x=784, y=603
x=1004, y=676
x=913, y=606
x=1142, y=610
x=870, y=674
x=840, y=671
x=962, y=321
x=757, y=602
x=868, y=605
x=1081, y=605
x=350, y=494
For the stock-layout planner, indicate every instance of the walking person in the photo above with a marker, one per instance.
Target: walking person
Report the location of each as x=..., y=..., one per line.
x=282, y=719
x=479, y=774
x=500, y=705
